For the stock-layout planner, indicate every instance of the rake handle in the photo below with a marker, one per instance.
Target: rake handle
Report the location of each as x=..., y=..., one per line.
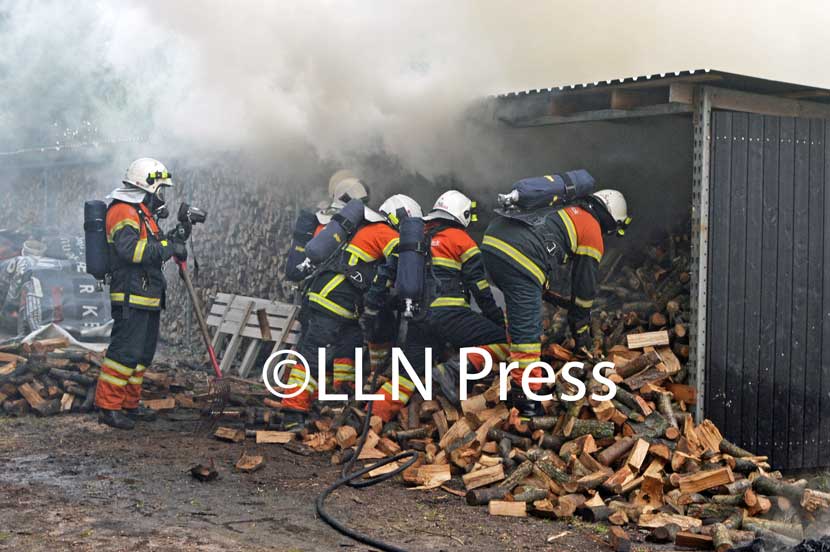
x=197, y=307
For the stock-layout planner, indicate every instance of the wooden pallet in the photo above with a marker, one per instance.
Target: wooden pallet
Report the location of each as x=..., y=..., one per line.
x=249, y=324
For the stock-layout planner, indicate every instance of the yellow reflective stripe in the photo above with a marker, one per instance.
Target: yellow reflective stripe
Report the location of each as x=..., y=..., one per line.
x=333, y=283
x=584, y=303
x=118, y=367
x=139, y=368
x=517, y=256
x=358, y=252
x=119, y=225
x=139, y=300
x=582, y=330
x=445, y=262
x=569, y=226
x=299, y=248
x=353, y=259
x=526, y=347
x=331, y=306
x=145, y=301
x=112, y=379
x=471, y=252
x=589, y=251
x=164, y=243
x=135, y=381
x=450, y=302
x=393, y=243
x=482, y=284
x=138, y=254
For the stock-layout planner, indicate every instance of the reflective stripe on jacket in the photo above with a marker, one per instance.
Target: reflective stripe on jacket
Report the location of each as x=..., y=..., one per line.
x=137, y=254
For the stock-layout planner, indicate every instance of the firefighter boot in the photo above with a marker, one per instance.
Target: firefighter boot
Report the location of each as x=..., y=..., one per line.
x=294, y=420
x=527, y=407
x=116, y=419
x=141, y=414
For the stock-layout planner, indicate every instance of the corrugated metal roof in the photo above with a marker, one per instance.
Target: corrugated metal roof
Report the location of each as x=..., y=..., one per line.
x=710, y=76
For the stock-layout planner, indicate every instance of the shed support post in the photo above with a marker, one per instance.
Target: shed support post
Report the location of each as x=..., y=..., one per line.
x=702, y=143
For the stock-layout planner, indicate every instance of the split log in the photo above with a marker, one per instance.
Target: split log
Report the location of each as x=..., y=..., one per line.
x=521, y=471
x=658, y=519
x=791, y=530
x=706, y=479
x=663, y=534
x=619, y=540
x=612, y=453
x=647, y=339
x=638, y=364
x=230, y=434
x=275, y=437
x=503, y=508
x=249, y=463
x=483, y=477
x=687, y=539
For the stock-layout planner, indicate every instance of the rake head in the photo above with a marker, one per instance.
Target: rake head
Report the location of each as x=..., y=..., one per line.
x=217, y=399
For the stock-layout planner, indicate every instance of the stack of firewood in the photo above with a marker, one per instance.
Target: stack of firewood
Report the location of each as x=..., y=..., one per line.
x=638, y=459
x=46, y=377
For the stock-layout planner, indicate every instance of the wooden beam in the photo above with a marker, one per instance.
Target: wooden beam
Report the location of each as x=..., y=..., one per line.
x=600, y=115
x=734, y=100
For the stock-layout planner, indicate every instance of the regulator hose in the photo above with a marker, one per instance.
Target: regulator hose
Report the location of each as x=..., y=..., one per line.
x=352, y=480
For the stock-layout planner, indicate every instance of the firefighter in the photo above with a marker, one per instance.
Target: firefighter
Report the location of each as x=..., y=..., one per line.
x=309, y=225
x=458, y=274
x=520, y=257
x=137, y=250
x=335, y=300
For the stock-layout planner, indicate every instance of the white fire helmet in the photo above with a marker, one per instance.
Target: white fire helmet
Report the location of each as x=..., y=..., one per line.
x=455, y=206
x=616, y=205
x=335, y=179
x=147, y=174
x=345, y=191
x=393, y=209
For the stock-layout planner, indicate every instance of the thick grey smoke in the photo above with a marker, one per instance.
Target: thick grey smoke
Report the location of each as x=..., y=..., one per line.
x=349, y=78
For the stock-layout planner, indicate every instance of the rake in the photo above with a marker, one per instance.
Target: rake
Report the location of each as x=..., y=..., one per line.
x=219, y=390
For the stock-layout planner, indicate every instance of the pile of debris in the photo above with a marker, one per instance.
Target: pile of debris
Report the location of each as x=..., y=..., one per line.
x=47, y=377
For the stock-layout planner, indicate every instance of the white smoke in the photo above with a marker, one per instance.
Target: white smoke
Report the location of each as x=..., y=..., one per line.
x=347, y=78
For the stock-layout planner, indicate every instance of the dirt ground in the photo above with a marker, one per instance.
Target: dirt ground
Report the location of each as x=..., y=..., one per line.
x=68, y=483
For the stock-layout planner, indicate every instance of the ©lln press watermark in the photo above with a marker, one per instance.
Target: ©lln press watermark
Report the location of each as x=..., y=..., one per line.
x=288, y=359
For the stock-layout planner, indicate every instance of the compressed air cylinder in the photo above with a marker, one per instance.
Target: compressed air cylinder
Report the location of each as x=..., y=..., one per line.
x=557, y=189
x=337, y=233
x=95, y=238
x=303, y=232
x=411, y=259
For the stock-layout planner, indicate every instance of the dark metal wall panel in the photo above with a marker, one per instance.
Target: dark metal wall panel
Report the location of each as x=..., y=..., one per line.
x=767, y=319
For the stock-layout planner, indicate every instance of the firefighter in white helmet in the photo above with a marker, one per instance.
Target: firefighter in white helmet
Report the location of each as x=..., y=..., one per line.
x=522, y=251
x=335, y=301
x=458, y=275
x=138, y=249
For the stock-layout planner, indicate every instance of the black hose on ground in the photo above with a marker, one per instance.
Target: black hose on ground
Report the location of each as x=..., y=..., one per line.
x=352, y=480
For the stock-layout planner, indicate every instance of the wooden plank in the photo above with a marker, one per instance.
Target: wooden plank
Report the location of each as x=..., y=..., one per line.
x=233, y=346
x=716, y=318
x=168, y=403
x=264, y=326
x=824, y=432
x=230, y=434
x=736, y=253
x=813, y=342
x=779, y=417
x=769, y=279
x=250, y=356
x=801, y=269
x=274, y=437
x=647, y=339
x=219, y=322
x=504, y=508
x=752, y=320
x=735, y=100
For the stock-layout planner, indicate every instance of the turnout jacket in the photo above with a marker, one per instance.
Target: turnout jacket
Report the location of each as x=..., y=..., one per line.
x=557, y=236
x=137, y=252
x=456, y=268
x=339, y=288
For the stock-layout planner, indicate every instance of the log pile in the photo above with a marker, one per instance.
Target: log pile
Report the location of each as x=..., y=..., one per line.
x=46, y=377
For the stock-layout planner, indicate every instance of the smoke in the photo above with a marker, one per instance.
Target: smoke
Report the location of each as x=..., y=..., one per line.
x=347, y=79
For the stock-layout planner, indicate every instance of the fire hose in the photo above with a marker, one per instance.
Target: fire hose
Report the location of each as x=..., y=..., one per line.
x=352, y=479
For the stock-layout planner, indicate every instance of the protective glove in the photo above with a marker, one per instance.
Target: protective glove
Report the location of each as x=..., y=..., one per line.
x=367, y=321
x=179, y=249
x=182, y=231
